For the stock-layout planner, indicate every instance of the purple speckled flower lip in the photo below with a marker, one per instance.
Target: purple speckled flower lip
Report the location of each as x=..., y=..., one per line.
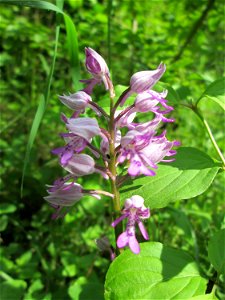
x=135, y=212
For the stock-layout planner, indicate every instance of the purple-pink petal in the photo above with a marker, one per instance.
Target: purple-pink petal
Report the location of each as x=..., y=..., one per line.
x=118, y=220
x=134, y=245
x=143, y=230
x=122, y=240
x=66, y=156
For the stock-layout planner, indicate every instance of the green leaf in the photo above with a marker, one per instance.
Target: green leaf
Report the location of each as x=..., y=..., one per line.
x=84, y=289
x=24, y=258
x=216, y=251
x=6, y=208
x=72, y=45
x=34, y=291
x=69, y=266
x=34, y=129
x=158, y=272
x=69, y=270
x=12, y=289
x=36, y=285
x=3, y=222
x=204, y=297
x=215, y=92
x=189, y=176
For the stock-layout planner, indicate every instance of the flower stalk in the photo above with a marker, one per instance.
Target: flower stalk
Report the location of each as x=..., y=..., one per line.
x=112, y=169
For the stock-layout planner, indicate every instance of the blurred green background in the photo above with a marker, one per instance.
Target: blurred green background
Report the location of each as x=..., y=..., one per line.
x=46, y=259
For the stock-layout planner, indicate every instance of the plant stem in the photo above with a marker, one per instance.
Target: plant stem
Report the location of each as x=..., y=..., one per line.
x=101, y=110
x=208, y=129
x=112, y=168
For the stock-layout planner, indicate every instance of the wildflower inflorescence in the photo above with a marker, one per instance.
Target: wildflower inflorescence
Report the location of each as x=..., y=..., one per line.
x=135, y=146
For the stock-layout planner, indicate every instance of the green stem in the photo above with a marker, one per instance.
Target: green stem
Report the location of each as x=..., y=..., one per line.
x=112, y=169
x=206, y=125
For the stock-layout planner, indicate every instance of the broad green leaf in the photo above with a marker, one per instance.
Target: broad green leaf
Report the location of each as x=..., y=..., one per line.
x=189, y=176
x=158, y=272
x=216, y=92
x=204, y=297
x=216, y=251
x=12, y=289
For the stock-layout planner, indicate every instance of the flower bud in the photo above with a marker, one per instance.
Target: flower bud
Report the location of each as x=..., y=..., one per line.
x=77, y=101
x=144, y=80
x=84, y=127
x=80, y=165
x=65, y=195
x=95, y=64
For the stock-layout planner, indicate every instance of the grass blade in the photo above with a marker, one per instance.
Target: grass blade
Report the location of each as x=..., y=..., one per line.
x=41, y=109
x=72, y=44
x=34, y=4
x=34, y=129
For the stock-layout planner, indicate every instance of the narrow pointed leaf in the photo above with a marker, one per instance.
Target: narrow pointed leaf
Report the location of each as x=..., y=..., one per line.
x=34, y=129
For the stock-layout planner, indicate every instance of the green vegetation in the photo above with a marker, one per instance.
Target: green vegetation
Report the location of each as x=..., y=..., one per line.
x=58, y=259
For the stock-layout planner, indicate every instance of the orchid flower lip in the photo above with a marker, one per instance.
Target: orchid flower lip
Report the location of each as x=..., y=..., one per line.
x=135, y=211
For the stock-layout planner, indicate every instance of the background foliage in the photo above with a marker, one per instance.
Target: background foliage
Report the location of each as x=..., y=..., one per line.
x=45, y=259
